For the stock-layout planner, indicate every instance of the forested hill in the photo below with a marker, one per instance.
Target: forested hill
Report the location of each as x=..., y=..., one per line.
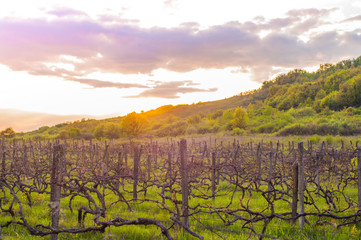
x=324, y=102
x=332, y=86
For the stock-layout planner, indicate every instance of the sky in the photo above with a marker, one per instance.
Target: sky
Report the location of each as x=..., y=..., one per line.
x=109, y=58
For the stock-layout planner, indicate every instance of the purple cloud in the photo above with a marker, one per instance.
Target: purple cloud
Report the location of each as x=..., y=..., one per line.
x=65, y=12
x=172, y=89
x=106, y=84
x=28, y=45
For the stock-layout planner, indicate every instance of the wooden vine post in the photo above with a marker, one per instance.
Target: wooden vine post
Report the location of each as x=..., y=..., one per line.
x=55, y=185
x=3, y=158
x=301, y=186
x=295, y=191
x=359, y=176
x=213, y=176
x=270, y=171
x=137, y=153
x=184, y=181
x=259, y=164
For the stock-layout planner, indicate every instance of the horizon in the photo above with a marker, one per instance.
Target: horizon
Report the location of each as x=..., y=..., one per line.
x=72, y=59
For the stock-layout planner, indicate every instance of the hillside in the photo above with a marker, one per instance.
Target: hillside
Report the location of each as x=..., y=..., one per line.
x=324, y=102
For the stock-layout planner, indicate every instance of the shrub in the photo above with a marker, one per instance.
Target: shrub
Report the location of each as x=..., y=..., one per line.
x=99, y=131
x=302, y=112
x=74, y=132
x=217, y=114
x=205, y=129
x=329, y=139
x=87, y=135
x=112, y=130
x=314, y=139
x=194, y=119
x=63, y=135
x=238, y=131
x=173, y=130
x=191, y=130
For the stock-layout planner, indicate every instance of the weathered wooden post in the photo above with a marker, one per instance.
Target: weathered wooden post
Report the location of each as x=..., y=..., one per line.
x=149, y=165
x=270, y=169
x=184, y=181
x=155, y=154
x=137, y=153
x=301, y=186
x=3, y=157
x=13, y=156
x=170, y=160
x=120, y=162
x=318, y=156
x=119, y=169
x=55, y=185
x=125, y=152
x=359, y=176
x=295, y=191
x=218, y=164
x=213, y=175
x=259, y=163
x=24, y=164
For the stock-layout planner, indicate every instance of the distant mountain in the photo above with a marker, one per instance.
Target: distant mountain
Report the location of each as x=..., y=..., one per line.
x=23, y=121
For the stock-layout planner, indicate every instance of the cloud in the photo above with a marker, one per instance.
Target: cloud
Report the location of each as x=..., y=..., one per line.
x=170, y=3
x=121, y=47
x=106, y=84
x=171, y=89
x=65, y=12
x=353, y=19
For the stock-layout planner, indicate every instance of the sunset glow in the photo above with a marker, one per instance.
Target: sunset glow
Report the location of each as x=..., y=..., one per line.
x=115, y=57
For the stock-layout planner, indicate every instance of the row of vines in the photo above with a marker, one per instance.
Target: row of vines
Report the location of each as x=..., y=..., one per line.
x=192, y=186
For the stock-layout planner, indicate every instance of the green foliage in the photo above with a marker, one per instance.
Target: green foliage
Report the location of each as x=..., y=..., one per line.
x=194, y=119
x=133, y=124
x=7, y=133
x=240, y=118
x=87, y=135
x=74, y=132
x=314, y=139
x=99, y=131
x=63, y=134
x=43, y=129
x=302, y=112
x=228, y=115
x=238, y=132
x=112, y=130
x=329, y=139
x=217, y=114
x=192, y=130
x=173, y=130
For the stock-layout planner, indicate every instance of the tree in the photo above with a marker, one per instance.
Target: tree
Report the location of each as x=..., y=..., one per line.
x=99, y=131
x=240, y=118
x=8, y=133
x=134, y=123
x=112, y=130
x=63, y=135
x=74, y=132
x=194, y=119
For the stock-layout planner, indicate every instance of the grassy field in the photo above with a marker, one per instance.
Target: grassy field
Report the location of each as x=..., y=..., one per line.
x=208, y=225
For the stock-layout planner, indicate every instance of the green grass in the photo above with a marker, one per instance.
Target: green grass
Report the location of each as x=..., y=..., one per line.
x=39, y=213
x=205, y=224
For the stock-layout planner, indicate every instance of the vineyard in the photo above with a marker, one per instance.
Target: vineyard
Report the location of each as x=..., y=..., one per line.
x=179, y=189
